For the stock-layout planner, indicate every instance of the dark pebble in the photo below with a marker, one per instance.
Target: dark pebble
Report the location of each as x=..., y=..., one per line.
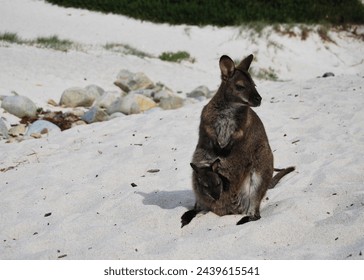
x=153, y=170
x=328, y=74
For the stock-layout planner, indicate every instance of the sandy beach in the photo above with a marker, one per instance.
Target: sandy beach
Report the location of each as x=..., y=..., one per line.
x=88, y=193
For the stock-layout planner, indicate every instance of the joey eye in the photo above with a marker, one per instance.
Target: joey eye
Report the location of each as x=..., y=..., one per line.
x=239, y=87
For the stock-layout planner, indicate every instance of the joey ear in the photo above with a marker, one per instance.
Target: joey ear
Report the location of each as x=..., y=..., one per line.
x=227, y=67
x=245, y=63
x=215, y=165
x=194, y=166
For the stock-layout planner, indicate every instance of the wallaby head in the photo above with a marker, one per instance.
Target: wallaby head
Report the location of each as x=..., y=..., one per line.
x=238, y=84
x=210, y=182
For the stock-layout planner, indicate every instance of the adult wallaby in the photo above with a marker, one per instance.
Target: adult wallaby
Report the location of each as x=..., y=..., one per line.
x=231, y=130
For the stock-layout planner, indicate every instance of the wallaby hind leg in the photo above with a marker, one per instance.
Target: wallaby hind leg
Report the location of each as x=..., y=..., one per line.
x=258, y=187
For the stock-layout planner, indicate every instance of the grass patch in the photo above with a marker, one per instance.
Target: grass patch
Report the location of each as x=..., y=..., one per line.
x=10, y=37
x=176, y=56
x=264, y=74
x=53, y=42
x=126, y=49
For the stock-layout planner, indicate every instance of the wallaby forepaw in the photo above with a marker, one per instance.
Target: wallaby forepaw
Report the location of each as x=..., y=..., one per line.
x=187, y=217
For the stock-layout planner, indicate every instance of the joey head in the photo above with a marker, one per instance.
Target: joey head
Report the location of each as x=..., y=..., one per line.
x=207, y=181
x=208, y=186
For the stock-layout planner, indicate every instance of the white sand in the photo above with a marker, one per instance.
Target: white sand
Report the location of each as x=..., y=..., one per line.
x=83, y=176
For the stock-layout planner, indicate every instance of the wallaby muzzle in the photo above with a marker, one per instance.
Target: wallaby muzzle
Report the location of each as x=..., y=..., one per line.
x=255, y=100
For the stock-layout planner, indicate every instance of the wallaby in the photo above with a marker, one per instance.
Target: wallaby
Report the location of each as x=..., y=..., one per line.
x=207, y=181
x=231, y=130
x=208, y=186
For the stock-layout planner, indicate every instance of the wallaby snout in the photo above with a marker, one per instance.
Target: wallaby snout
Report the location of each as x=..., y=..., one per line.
x=255, y=99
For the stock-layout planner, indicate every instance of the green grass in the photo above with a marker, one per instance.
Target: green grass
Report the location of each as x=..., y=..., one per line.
x=126, y=49
x=264, y=74
x=176, y=56
x=51, y=42
x=10, y=37
x=229, y=12
x=55, y=43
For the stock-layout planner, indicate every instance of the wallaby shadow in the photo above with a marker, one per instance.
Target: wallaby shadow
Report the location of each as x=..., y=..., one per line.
x=169, y=199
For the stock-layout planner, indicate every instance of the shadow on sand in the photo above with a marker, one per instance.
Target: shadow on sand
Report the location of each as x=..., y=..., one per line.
x=169, y=199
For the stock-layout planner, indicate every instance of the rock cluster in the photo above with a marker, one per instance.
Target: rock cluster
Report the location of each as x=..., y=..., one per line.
x=92, y=104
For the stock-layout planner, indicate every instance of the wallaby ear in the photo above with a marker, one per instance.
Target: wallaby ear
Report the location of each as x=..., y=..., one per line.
x=215, y=165
x=227, y=67
x=245, y=63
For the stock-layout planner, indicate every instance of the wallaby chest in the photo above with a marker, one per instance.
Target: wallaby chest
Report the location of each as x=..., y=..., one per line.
x=223, y=126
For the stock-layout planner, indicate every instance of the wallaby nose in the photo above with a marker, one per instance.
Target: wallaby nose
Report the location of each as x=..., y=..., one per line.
x=257, y=99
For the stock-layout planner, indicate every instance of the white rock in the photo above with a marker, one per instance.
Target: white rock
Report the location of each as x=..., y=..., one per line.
x=145, y=92
x=201, y=91
x=108, y=98
x=132, y=104
x=75, y=97
x=20, y=106
x=168, y=100
x=94, y=91
x=95, y=114
x=42, y=127
x=17, y=130
x=129, y=81
x=116, y=115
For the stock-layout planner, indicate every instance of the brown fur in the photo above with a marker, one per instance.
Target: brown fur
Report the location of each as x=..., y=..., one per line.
x=231, y=130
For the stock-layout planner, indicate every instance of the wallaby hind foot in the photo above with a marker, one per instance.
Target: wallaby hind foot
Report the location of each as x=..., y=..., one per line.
x=247, y=219
x=188, y=216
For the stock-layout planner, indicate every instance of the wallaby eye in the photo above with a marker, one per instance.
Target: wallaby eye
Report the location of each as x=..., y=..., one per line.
x=239, y=87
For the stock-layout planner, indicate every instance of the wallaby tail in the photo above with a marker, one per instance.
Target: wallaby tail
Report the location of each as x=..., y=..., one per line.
x=281, y=173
